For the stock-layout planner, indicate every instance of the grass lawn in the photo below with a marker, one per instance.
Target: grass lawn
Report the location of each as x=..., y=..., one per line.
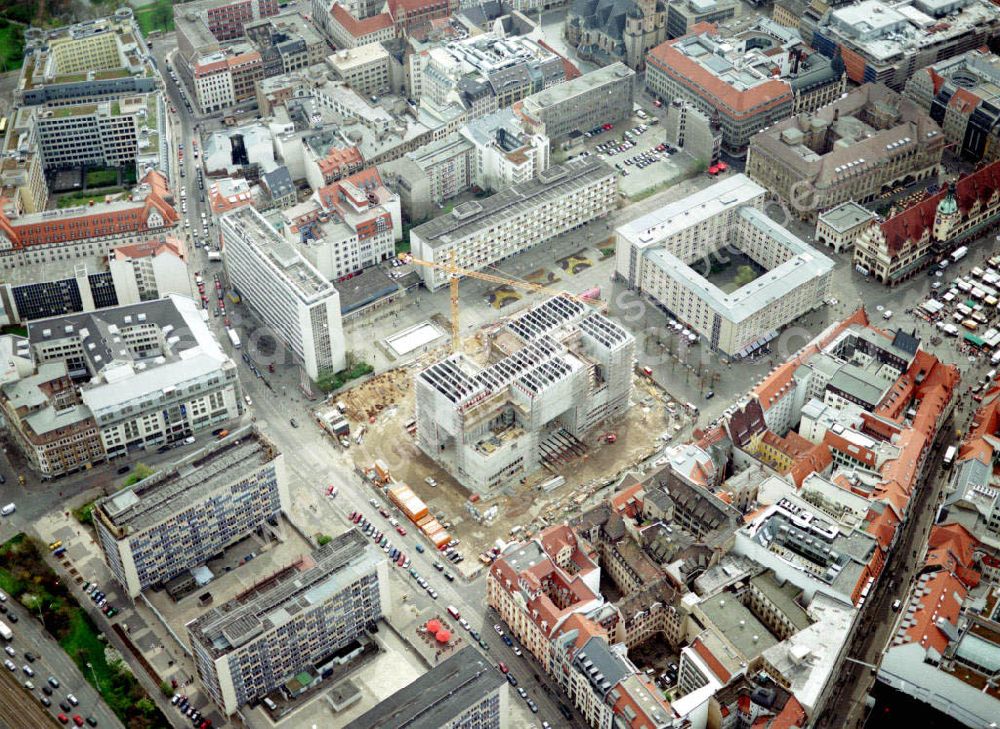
x=102, y=177
x=14, y=329
x=157, y=16
x=84, y=198
x=11, y=46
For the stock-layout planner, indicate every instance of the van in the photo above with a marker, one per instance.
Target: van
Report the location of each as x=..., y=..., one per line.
x=270, y=704
x=8, y=510
x=453, y=612
x=896, y=605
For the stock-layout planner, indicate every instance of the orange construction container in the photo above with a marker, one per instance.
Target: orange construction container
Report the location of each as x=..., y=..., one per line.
x=431, y=527
x=441, y=539
x=408, y=502
x=381, y=470
x=424, y=520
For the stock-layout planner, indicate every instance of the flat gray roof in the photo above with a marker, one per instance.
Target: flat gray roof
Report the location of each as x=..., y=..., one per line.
x=738, y=624
x=337, y=564
x=470, y=217
x=187, y=482
x=437, y=697
x=615, y=73
x=845, y=216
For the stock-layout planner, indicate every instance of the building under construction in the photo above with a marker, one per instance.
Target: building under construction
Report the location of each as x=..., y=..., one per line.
x=556, y=372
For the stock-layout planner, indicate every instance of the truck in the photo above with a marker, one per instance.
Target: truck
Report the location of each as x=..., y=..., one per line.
x=214, y=256
x=234, y=338
x=949, y=455
x=6, y=632
x=958, y=254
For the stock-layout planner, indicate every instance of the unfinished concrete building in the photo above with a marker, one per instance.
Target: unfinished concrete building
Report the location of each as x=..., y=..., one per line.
x=554, y=373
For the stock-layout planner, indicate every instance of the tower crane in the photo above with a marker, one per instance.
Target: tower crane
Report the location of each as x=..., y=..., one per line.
x=455, y=272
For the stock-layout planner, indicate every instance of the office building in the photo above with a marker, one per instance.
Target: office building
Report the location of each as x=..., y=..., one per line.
x=364, y=68
x=90, y=61
x=286, y=291
x=346, y=30
x=684, y=15
x=102, y=134
x=465, y=691
x=290, y=621
x=559, y=360
x=207, y=22
x=189, y=512
x=840, y=227
x=658, y=253
x=150, y=270
x=903, y=244
x=30, y=239
x=745, y=82
x=886, y=43
x=962, y=94
x=49, y=424
x=687, y=128
x=604, y=96
x=479, y=233
x=151, y=373
x=864, y=144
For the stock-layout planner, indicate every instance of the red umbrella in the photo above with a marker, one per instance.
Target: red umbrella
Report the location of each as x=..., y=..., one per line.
x=433, y=625
x=443, y=636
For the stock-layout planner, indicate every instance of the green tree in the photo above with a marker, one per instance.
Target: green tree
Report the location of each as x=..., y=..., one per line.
x=744, y=275
x=140, y=472
x=322, y=539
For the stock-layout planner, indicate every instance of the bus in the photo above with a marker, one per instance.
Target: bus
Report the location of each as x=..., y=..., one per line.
x=949, y=456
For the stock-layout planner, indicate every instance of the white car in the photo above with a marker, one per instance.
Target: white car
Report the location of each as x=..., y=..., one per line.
x=887, y=314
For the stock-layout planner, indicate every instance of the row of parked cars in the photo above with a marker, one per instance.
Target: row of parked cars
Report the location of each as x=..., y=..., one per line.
x=94, y=592
x=397, y=555
x=186, y=708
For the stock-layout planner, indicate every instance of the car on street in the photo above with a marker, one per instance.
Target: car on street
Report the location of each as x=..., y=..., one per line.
x=511, y=679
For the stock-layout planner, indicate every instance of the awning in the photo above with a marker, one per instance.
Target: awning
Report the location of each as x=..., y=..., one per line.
x=973, y=339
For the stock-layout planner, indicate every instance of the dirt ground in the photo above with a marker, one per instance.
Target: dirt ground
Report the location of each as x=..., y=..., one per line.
x=390, y=399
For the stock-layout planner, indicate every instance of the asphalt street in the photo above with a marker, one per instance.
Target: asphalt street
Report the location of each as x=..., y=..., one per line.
x=30, y=636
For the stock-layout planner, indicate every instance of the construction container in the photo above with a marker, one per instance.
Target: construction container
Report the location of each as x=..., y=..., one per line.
x=420, y=522
x=382, y=470
x=441, y=539
x=431, y=527
x=408, y=502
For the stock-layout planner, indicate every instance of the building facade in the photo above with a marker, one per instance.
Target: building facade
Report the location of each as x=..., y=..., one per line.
x=656, y=254
x=746, y=82
x=840, y=227
x=604, y=96
x=179, y=518
x=864, y=144
x=479, y=233
x=962, y=94
x=285, y=290
x=327, y=600
x=152, y=373
x=30, y=239
x=897, y=248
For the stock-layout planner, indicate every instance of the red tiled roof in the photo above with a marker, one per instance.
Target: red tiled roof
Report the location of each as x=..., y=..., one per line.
x=941, y=599
x=691, y=74
x=985, y=422
x=713, y=663
x=94, y=221
x=363, y=27
x=912, y=223
x=818, y=459
x=340, y=158
x=152, y=248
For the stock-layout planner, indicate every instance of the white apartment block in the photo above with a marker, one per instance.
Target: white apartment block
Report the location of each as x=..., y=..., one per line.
x=179, y=518
x=152, y=373
x=285, y=290
x=479, y=233
x=559, y=366
x=304, y=614
x=505, y=154
x=658, y=254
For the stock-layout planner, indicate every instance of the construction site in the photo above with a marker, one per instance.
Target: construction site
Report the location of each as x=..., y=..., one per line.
x=516, y=430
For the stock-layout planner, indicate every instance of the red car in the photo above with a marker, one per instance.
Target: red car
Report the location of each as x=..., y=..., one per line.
x=503, y=667
x=402, y=532
x=400, y=559
x=77, y=719
x=63, y=718
x=608, y=127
